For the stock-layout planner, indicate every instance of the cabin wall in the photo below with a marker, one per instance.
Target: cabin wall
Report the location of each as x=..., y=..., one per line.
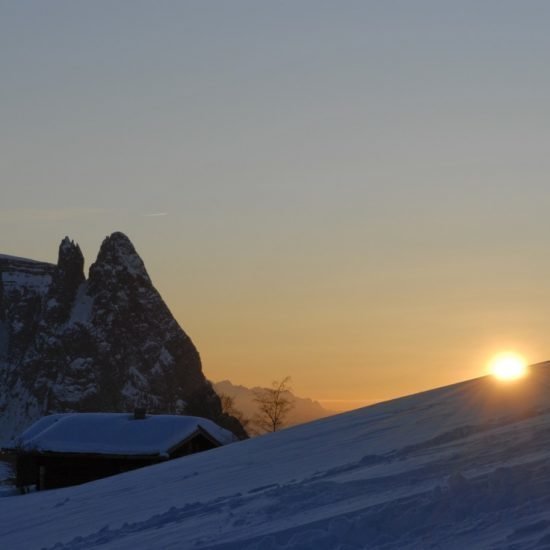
x=26, y=471
x=196, y=445
x=54, y=471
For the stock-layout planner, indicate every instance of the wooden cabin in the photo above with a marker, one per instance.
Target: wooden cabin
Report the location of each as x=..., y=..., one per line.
x=68, y=449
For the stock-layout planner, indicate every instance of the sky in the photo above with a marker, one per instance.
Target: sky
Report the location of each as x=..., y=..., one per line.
x=351, y=193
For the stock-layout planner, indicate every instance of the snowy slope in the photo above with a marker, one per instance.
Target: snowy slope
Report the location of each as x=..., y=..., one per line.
x=465, y=466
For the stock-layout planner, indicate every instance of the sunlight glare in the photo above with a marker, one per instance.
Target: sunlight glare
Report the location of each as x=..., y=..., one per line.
x=508, y=366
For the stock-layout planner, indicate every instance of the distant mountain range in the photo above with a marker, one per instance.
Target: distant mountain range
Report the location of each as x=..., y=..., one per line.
x=304, y=409
x=103, y=343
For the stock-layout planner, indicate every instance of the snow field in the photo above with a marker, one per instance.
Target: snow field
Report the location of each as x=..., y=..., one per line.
x=466, y=466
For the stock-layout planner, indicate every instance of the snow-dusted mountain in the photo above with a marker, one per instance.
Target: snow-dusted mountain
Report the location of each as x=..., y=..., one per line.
x=303, y=410
x=465, y=466
x=106, y=343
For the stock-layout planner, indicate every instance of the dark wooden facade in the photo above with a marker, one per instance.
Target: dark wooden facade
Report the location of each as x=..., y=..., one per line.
x=50, y=470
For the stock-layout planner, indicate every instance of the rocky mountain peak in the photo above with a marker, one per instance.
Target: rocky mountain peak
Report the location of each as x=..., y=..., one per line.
x=108, y=343
x=117, y=259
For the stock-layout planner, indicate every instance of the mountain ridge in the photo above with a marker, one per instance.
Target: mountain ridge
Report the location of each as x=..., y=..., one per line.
x=304, y=409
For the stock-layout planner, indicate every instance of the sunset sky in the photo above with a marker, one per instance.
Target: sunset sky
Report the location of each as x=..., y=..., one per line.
x=352, y=193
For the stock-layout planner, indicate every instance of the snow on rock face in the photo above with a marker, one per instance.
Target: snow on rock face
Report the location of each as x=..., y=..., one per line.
x=108, y=343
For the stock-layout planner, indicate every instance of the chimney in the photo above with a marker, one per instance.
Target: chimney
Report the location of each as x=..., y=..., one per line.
x=139, y=413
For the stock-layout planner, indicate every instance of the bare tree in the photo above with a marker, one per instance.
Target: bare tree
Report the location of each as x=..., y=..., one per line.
x=228, y=407
x=273, y=405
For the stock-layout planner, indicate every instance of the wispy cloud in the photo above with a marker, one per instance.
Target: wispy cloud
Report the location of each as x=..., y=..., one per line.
x=156, y=214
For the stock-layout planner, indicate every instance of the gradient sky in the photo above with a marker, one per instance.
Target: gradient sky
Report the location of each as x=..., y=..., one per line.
x=354, y=193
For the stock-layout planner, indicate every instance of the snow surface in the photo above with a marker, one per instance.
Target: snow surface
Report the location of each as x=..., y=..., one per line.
x=115, y=433
x=82, y=307
x=6, y=479
x=461, y=467
x=5, y=471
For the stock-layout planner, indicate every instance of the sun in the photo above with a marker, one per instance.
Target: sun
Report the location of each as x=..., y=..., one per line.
x=508, y=366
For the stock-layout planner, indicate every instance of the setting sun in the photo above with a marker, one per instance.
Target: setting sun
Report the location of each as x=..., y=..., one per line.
x=508, y=366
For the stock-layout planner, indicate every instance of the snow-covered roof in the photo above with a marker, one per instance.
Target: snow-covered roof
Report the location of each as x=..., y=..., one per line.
x=115, y=433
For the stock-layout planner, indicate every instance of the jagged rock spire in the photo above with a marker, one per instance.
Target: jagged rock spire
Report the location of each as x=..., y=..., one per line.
x=70, y=262
x=67, y=278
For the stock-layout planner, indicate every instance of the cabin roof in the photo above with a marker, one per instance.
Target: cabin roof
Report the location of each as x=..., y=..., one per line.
x=116, y=433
